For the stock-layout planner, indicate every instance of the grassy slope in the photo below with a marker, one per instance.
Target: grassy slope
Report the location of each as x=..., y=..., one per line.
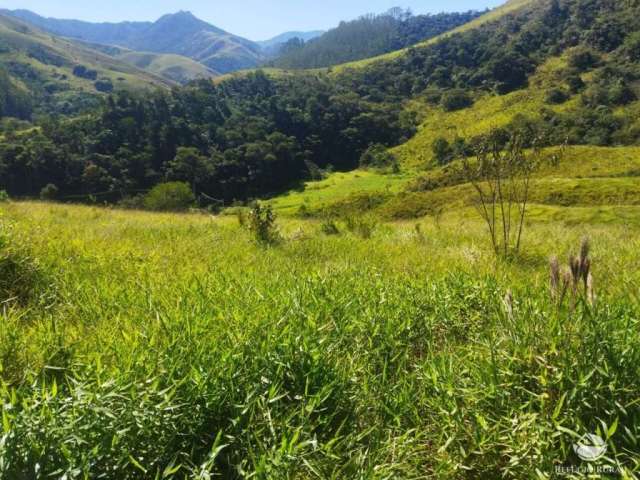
x=22, y=39
x=325, y=357
x=566, y=185
x=176, y=68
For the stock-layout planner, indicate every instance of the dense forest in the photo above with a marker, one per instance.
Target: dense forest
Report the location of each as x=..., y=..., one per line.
x=246, y=137
x=368, y=36
x=256, y=134
x=13, y=101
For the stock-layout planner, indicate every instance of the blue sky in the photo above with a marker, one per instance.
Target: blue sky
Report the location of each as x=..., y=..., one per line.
x=254, y=19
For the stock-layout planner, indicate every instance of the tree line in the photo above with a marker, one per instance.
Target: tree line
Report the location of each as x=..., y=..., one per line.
x=256, y=134
x=368, y=36
x=243, y=138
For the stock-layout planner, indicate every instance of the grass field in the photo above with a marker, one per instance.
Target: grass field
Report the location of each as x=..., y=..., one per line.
x=142, y=345
x=163, y=346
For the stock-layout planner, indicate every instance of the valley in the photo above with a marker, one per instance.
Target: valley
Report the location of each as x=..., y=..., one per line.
x=422, y=264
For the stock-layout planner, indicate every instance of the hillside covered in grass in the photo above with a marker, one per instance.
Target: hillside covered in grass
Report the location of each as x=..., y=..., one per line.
x=566, y=70
x=379, y=353
x=51, y=75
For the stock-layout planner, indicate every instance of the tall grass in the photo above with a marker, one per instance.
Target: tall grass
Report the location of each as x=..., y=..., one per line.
x=178, y=348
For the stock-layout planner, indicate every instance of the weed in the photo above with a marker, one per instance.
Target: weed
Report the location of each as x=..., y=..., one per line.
x=362, y=226
x=329, y=227
x=262, y=224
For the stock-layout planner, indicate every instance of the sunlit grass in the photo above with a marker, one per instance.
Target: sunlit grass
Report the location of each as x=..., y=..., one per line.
x=174, y=346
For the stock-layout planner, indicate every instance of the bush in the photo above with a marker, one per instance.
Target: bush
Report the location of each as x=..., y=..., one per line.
x=83, y=72
x=104, y=85
x=172, y=196
x=4, y=196
x=575, y=83
x=583, y=59
x=556, y=96
x=262, y=223
x=442, y=151
x=455, y=100
x=49, y=192
x=378, y=156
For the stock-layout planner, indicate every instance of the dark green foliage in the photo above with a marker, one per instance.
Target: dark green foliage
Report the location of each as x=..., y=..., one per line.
x=243, y=138
x=84, y=72
x=14, y=102
x=261, y=222
x=575, y=83
x=556, y=96
x=442, y=151
x=378, y=156
x=172, y=196
x=368, y=36
x=104, y=85
x=4, y=196
x=455, y=100
x=583, y=59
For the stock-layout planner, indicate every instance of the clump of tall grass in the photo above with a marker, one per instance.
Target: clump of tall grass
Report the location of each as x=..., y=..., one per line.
x=363, y=226
x=419, y=234
x=329, y=227
x=20, y=276
x=576, y=279
x=261, y=222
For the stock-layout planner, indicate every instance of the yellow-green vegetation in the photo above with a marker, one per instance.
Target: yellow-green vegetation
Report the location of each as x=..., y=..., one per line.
x=585, y=176
x=176, y=68
x=338, y=187
x=488, y=112
x=176, y=346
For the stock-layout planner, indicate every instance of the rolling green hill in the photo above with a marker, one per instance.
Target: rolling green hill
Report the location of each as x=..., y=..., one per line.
x=365, y=327
x=176, y=68
x=43, y=65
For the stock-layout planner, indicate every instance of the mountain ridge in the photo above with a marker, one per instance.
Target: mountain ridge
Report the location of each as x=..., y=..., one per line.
x=180, y=33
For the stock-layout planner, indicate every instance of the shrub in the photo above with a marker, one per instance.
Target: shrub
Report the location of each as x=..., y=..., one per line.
x=4, y=196
x=49, y=192
x=83, y=72
x=172, y=196
x=104, y=85
x=575, y=83
x=455, y=100
x=262, y=224
x=378, y=156
x=583, y=59
x=556, y=96
x=442, y=151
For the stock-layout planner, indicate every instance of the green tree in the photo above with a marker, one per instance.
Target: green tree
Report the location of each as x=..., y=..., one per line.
x=189, y=165
x=172, y=196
